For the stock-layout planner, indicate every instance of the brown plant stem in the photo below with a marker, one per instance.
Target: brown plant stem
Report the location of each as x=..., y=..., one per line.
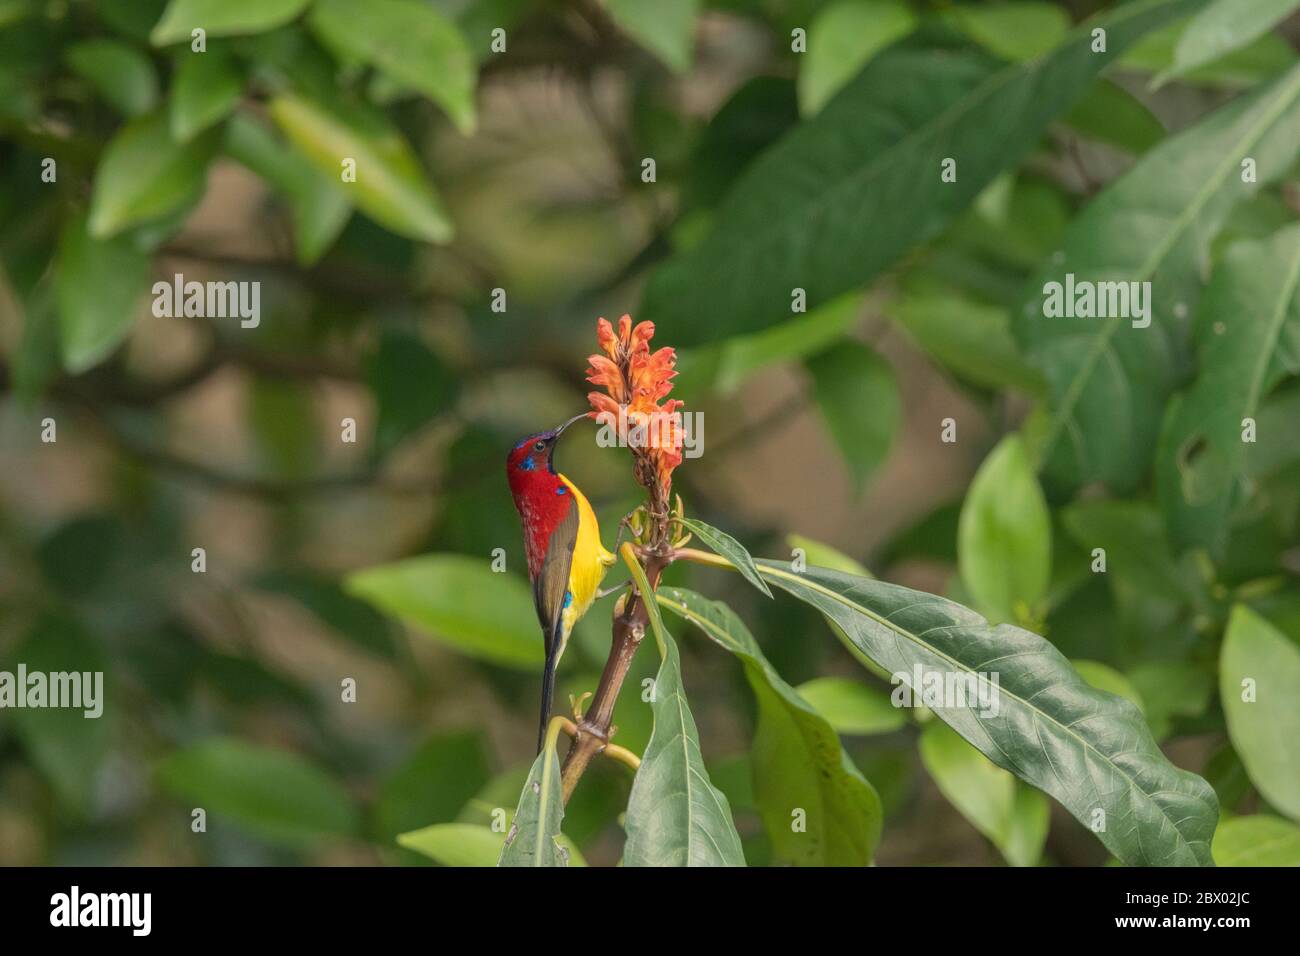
x=592, y=729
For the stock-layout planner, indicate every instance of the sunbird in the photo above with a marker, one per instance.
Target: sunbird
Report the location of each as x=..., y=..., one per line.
x=566, y=561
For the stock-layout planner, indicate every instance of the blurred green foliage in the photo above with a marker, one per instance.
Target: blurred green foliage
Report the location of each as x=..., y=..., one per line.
x=437, y=198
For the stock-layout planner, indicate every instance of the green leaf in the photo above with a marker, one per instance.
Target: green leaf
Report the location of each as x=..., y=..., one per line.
x=1257, y=841
x=1110, y=114
x=842, y=38
x=675, y=815
x=391, y=188
x=815, y=552
x=1089, y=750
x=1014, y=31
x=731, y=362
x=858, y=399
x=1259, y=684
x=122, y=74
x=798, y=762
x=1104, y=677
x=1248, y=340
x=99, y=287
x=144, y=175
x=455, y=844
x=1004, y=535
x=460, y=601
x=63, y=743
x=433, y=783
x=411, y=385
x=274, y=794
x=1171, y=689
x=1245, y=67
x=1137, y=554
x=223, y=18
x=1108, y=378
x=731, y=549
x=1223, y=27
x=410, y=41
x=796, y=217
x=207, y=88
x=1014, y=817
x=348, y=616
x=969, y=338
x=665, y=28
x=851, y=706
x=320, y=207
x=531, y=840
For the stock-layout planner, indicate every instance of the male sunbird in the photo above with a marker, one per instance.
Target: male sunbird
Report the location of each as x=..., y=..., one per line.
x=566, y=560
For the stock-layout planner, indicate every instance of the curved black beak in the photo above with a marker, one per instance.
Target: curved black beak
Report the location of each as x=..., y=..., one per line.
x=576, y=418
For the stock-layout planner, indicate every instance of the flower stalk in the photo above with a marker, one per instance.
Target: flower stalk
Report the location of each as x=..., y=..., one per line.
x=635, y=382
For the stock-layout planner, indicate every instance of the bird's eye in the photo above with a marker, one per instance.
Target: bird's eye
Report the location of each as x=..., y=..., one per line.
x=540, y=446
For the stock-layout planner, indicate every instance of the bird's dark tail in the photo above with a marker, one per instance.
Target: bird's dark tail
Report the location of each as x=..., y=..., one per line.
x=548, y=691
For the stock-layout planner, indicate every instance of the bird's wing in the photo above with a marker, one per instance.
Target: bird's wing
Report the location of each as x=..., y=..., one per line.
x=552, y=581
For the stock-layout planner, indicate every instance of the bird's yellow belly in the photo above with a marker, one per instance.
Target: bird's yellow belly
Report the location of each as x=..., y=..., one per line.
x=590, y=562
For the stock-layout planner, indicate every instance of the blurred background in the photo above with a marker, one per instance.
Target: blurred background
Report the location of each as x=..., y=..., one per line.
x=445, y=304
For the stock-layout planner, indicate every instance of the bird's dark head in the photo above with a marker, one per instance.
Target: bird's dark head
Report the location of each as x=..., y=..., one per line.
x=533, y=453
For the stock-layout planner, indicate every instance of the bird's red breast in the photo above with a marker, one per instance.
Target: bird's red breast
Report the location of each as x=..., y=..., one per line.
x=541, y=498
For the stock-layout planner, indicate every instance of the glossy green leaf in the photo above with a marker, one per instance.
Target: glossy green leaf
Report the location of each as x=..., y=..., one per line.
x=665, y=28
x=122, y=74
x=101, y=285
x=410, y=41
x=206, y=90
x=1004, y=536
x=675, y=815
x=1257, y=841
x=727, y=546
x=1090, y=750
x=800, y=770
x=1109, y=378
x=1259, y=685
x=460, y=601
x=852, y=707
x=842, y=38
x=1222, y=27
x=531, y=839
x=857, y=396
x=873, y=156
x=390, y=186
x=1013, y=816
x=320, y=206
x=274, y=794
x=1248, y=340
x=816, y=552
x=145, y=175
x=223, y=18
x=1015, y=31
